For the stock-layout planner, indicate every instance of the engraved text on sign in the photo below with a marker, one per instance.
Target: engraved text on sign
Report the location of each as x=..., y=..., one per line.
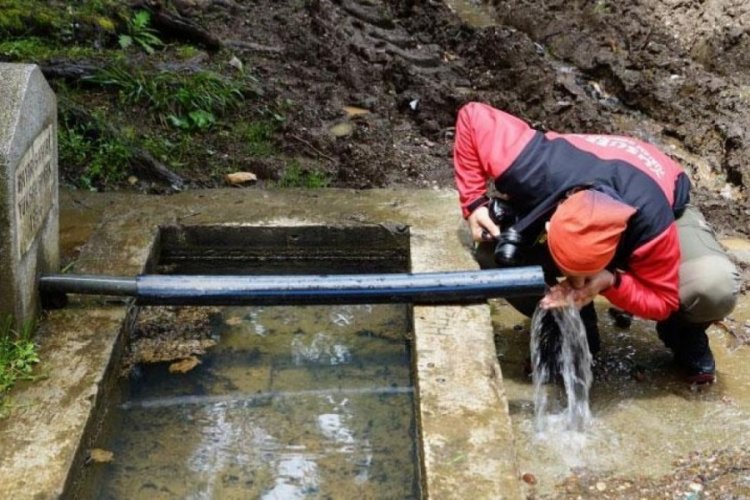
x=34, y=185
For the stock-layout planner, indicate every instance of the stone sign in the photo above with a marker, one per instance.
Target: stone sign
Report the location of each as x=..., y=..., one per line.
x=29, y=240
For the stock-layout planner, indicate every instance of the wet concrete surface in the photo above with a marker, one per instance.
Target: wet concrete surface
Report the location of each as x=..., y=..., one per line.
x=647, y=422
x=465, y=438
x=475, y=433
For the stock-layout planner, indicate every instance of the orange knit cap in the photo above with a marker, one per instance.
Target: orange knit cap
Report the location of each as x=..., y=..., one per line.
x=584, y=231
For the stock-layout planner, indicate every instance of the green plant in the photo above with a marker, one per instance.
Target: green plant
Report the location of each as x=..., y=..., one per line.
x=186, y=101
x=601, y=7
x=258, y=137
x=101, y=158
x=187, y=51
x=199, y=119
x=295, y=176
x=18, y=355
x=35, y=49
x=140, y=33
x=25, y=48
x=23, y=17
x=176, y=152
x=66, y=22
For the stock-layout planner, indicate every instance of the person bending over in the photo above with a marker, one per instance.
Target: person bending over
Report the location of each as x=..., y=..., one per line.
x=611, y=214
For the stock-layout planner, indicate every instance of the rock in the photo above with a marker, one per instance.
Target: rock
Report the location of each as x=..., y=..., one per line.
x=239, y=178
x=342, y=129
x=529, y=478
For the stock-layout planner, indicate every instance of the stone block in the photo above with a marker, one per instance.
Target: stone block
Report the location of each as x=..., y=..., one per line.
x=29, y=239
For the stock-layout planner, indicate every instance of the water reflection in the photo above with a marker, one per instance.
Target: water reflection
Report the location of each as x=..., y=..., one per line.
x=303, y=402
x=322, y=348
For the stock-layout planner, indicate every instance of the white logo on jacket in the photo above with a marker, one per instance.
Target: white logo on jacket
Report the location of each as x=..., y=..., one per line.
x=629, y=146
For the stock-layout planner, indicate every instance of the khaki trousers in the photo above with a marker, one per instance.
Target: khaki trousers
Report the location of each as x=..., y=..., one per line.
x=709, y=280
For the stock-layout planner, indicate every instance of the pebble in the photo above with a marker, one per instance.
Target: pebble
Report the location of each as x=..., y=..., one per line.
x=529, y=478
x=696, y=487
x=601, y=486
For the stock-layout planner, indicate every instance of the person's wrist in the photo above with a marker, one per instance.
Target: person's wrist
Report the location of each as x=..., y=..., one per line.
x=480, y=202
x=614, y=281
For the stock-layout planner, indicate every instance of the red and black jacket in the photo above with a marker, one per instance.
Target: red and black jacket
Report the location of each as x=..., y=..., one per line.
x=535, y=168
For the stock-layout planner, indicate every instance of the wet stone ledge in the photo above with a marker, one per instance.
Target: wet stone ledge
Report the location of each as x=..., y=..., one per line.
x=465, y=440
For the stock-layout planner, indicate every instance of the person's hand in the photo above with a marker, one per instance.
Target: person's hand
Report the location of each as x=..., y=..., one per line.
x=560, y=295
x=578, y=291
x=586, y=289
x=481, y=226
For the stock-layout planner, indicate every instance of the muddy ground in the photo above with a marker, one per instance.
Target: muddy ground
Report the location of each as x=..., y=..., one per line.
x=676, y=73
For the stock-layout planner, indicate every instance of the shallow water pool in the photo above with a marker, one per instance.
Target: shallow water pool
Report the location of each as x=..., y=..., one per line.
x=645, y=419
x=292, y=402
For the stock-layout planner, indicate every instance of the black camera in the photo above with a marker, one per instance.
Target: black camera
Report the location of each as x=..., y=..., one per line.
x=502, y=213
x=507, y=248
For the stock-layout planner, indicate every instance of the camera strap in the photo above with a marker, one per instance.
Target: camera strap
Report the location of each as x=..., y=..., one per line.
x=545, y=209
x=537, y=214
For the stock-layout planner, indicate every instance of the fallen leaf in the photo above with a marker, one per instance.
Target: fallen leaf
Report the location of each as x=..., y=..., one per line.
x=736, y=244
x=238, y=178
x=101, y=456
x=352, y=111
x=233, y=321
x=184, y=365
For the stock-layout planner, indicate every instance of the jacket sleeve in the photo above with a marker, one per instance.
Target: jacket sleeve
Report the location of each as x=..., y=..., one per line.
x=487, y=141
x=649, y=288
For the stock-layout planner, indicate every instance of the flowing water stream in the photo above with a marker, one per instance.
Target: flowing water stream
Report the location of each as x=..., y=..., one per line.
x=644, y=419
x=567, y=353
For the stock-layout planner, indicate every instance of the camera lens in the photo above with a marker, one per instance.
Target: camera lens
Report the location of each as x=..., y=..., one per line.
x=506, y=251
x=506, y=254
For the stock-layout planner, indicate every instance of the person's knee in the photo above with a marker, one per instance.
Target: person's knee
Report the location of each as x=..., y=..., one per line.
x=709, y=289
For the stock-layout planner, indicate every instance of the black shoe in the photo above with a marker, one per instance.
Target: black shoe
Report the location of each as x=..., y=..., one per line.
x=691, y=349
x=696, y=358
x=622, y=318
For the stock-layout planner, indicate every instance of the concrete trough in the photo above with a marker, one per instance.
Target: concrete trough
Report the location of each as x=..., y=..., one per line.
x=465, y=439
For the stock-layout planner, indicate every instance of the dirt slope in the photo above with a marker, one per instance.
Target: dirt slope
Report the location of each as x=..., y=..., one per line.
x=637, y=69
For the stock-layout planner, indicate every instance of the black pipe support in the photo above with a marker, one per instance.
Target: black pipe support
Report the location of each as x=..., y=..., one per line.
x=417, y=288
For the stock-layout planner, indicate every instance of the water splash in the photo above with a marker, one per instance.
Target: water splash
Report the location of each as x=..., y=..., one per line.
x=559, y=346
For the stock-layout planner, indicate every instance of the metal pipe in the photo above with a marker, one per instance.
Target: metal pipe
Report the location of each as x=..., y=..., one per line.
x=88, y=284
x=427, y=288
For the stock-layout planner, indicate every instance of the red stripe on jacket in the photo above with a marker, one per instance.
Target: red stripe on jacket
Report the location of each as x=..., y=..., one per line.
x=488, y=141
